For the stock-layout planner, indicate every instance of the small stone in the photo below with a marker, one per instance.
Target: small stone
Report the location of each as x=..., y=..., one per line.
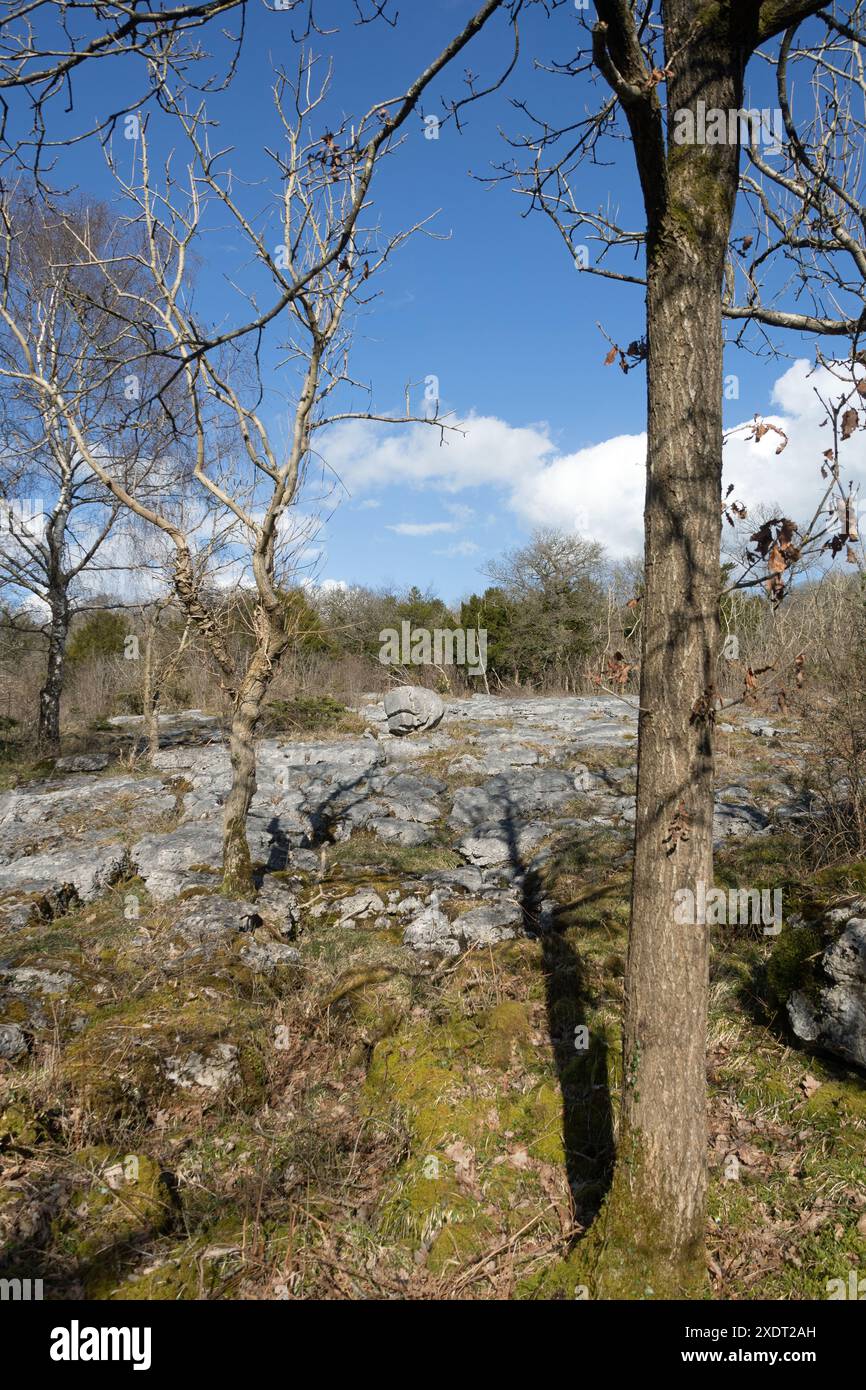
x=761, y=730
x=584, y=781
x=498, y=842
x=484, y=926
x=13, y=1043
x=212, y=920
x=359, y=905
x=400, y=832
x=409, y=906
x=267, y=956
x=27, y=979
x=431, y=931
x=212, y=1073
x=82, y=762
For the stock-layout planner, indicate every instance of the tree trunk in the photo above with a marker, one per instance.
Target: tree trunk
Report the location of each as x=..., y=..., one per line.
x=663, y=1136
x=150, y=691
x=652, y=1228
x=52, y=690
x=237, y=865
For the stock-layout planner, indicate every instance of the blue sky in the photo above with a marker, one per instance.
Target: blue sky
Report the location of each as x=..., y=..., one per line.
x=497, y=312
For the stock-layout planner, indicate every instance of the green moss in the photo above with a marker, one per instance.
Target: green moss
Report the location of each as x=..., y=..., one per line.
x=792, y=963
x=388, y=858
x=428, y=1207
x=115, y=1063
x=459, y=1243
x=15, y=1011
x=175, y=1279
x=710, y=16
x=557, y=1282
x=20, y=1128
x=198, y=1267
x=410, y=1073
x=507, y=1025
x=252, y=1065
x=846, y=877
x=444, y=1083
x=626, y=1253
x=125, y=1200
x=544, y=1114
x=424, y=1197
x=736, y=862
x=838, y=1100
x=378, y=1008
x=683, y=221
x=431, y=1075
x=112, y=1063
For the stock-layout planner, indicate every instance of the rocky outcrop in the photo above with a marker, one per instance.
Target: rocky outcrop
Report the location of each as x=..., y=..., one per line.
x=432, y=930
x=832, y=1015
x=516, y=777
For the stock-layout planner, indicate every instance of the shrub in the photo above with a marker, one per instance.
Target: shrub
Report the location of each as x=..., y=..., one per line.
x=99, y=636
x=304, y=714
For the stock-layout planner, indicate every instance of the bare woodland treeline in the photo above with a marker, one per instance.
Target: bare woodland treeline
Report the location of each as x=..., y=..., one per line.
x=559, y=620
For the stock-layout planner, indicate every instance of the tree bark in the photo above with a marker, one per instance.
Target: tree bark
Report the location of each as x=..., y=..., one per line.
x=663, y=1135
x=52, y=690
x=150, y=689
x=652, y=1229
x=237, y=864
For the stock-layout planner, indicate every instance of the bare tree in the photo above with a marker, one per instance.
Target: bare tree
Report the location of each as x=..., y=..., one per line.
x=58, y=517
x=807, y=199
x=321, y=257
x=167, y=639
x=161, y=663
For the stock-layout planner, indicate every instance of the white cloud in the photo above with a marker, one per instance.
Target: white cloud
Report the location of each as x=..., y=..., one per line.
x=460, y=512
x=459, y=548
x=792, y=480
x=598, y=490
x=422, y=528
x=365, y=457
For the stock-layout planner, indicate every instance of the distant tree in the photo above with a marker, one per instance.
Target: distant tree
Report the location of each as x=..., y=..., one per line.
x=305, y=621
x=422, y=609
x=99, y=636
x=492, y=612
x=553, y=589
